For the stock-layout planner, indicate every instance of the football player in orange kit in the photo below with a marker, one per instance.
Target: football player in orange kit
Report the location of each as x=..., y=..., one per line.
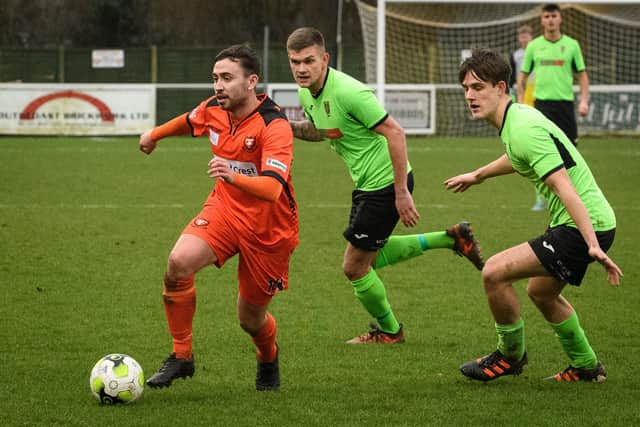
x=251, y=211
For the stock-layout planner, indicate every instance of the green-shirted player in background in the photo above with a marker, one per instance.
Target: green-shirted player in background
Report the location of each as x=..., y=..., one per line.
x=582, y=226
x=555, y=58
x=345, y=112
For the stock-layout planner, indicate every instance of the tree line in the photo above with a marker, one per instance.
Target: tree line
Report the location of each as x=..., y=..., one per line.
x=185, y=23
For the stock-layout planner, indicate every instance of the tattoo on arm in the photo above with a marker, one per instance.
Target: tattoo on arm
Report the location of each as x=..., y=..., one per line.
x=304, y=129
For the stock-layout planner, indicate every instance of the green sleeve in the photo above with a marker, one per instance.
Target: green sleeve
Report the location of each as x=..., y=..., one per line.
x=364, y=107
x=578, y=61
x=538, y=151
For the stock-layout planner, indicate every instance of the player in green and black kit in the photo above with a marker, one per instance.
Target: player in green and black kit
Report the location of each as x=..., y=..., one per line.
x=582, y=226
x=345, y=112
x=555, y=58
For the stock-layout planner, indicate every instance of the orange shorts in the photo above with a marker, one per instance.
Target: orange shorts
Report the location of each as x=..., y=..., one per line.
x=262, y=270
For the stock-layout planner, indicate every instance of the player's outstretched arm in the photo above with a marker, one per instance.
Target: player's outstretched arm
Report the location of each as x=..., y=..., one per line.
x=146, y=143
x=460, y=183
x=174, y=127
x=304, y=129
x=560, y=183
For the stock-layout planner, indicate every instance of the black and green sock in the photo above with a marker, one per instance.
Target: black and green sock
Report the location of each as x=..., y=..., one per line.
x=402, y=248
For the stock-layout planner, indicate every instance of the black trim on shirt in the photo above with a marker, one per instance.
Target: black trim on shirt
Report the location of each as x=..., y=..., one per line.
x=270, y=111
x=275, y=175
x=285, y=187
x=379, y=121
x=504, y=117
x=567, y=160
x=546, y=175
x=190, y=125
x=324, y=83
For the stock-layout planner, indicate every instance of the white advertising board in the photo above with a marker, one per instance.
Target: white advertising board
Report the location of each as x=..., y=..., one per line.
x=412, y=105
x=107, y=58
x=76, y=109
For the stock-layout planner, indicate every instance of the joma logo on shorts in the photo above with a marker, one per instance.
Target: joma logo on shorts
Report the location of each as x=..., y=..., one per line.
x=548, y=246
x=275, y=283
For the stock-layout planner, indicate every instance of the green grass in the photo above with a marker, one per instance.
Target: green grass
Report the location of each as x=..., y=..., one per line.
x=85, y=229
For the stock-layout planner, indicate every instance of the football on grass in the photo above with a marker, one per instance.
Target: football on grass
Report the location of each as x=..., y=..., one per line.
x=117, y=378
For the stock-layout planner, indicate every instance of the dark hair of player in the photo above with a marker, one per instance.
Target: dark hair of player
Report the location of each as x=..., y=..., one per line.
x=551, y=7
x=242, y=54
x=487, y=65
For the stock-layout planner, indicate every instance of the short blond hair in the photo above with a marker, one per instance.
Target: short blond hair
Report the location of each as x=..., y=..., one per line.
x=525, y=29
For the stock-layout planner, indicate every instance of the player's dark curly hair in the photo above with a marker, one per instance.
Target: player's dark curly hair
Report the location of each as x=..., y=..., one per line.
x=487, y=65
x=244, y=55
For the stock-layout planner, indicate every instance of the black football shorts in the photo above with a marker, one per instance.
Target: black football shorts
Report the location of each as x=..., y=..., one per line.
x=564, y=253
x=373, y=217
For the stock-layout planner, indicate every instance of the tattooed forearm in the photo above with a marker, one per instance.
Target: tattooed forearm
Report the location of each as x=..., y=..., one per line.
x=304, y=129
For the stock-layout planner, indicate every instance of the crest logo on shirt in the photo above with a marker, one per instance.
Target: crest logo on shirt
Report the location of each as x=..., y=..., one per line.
x=327, y=108
x=213, y=137
x=250, y=144
x=562, y=48
x=200, y=222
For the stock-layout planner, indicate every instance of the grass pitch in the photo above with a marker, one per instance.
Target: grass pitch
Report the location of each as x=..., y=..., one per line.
x=86, y=226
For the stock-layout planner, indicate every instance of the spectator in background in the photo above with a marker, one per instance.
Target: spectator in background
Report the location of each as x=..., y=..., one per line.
x=525, y=34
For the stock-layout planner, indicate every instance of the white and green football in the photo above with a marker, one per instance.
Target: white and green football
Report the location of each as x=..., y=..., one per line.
x=117, y=378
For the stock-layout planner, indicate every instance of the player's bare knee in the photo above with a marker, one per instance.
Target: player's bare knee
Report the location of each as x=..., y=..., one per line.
x=247, y=328
x=491, y=273
x=354, y=271
x=178, y=266
x=538, y=296
x=249, y=325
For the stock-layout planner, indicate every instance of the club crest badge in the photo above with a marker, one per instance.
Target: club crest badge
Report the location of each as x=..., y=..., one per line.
x=327, y=108
x=200, y=222
x=250, y=144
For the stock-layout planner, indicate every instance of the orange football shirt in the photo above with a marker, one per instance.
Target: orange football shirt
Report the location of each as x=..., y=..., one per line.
x=259, y=145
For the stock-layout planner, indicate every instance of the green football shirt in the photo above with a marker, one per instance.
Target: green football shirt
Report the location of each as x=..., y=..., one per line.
x=536, y=148
x=554, y=64
x=345, y=111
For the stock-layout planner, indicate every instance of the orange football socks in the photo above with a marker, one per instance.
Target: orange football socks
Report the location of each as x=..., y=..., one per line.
x=265, y=340
x=179, y=307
